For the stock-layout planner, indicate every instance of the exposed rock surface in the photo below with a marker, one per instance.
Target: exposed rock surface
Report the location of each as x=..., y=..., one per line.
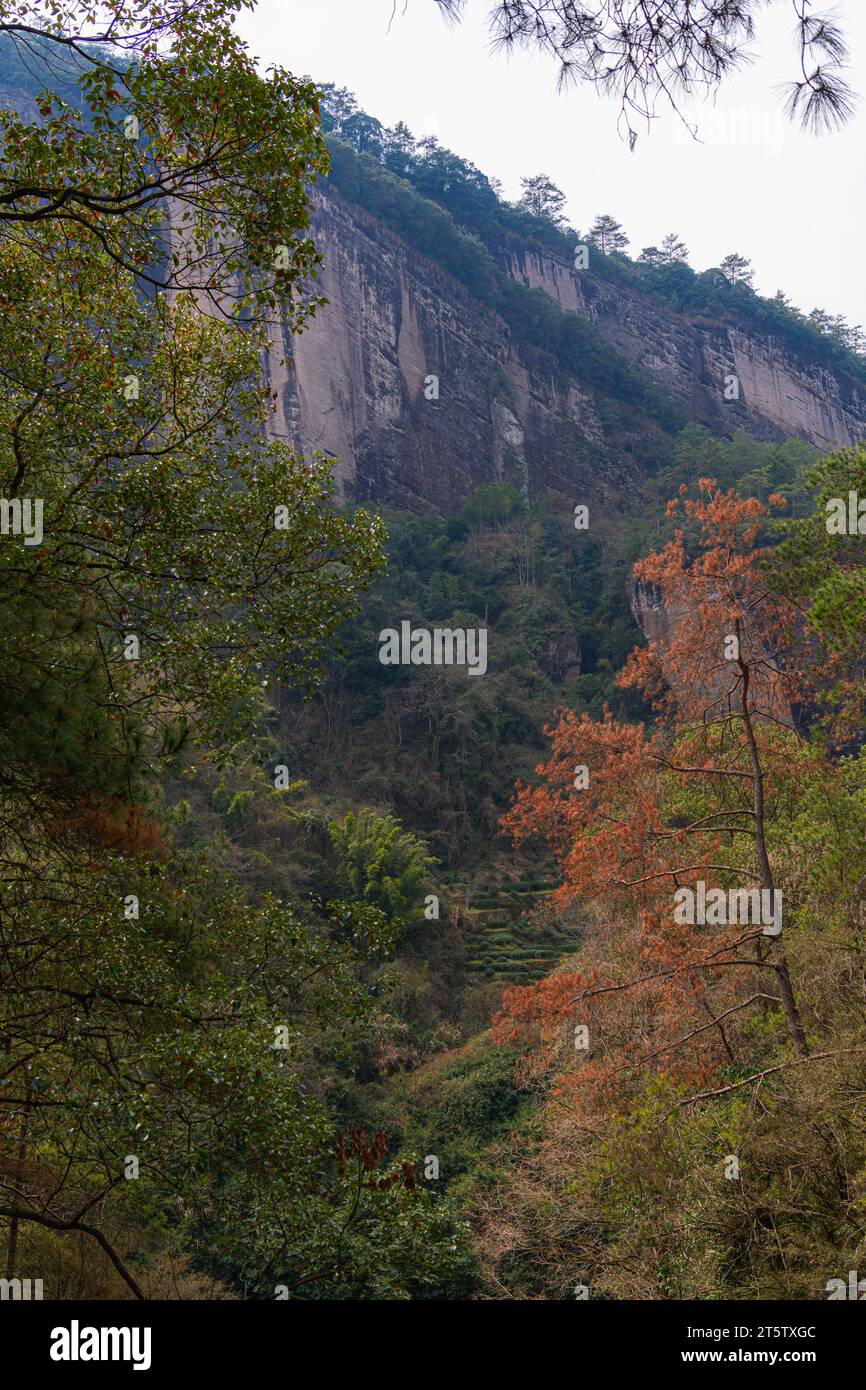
x=357, y=383
x=655, y=620
x=780, y=395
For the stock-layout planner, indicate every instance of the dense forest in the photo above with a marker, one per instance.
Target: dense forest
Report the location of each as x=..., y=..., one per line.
x=328, y=979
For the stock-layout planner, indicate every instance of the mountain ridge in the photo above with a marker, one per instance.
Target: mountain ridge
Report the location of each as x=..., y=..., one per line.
x=508, y=410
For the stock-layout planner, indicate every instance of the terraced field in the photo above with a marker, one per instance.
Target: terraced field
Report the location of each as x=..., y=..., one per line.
x=501, y=942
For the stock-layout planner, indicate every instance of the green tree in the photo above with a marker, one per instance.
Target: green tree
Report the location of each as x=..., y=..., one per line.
x=671, y=252
x=381, y=864
x=673, y=249
x=608, y=234
x=152, y=1010
x=737, y=269
x=159, y=166
x=821, y=565
x=339, y=105
x=399, y=149
x=541, y=198
x=364, y=133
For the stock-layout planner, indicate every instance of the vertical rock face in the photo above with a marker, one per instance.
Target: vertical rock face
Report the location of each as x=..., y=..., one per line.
x=418, y=391
x=420, y=394
x=657, y=622
x=779, y=396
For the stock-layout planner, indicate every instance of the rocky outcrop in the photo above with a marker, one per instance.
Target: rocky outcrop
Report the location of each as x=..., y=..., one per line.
x=417, y=390
x=656, y=621
x=562, y=657
x=420, y=393
x=777, y=394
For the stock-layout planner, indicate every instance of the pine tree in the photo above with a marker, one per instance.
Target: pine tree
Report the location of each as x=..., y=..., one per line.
x=673, y=249
x=541, y=198
x=607, y=234
x=737, y=269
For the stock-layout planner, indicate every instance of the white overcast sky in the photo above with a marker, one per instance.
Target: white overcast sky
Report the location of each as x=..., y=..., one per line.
x=794, y=203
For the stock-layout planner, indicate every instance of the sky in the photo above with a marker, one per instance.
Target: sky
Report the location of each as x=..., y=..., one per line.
x=794, y=203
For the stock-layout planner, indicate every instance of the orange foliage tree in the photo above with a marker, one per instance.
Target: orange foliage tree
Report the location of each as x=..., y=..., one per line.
x=635, y=814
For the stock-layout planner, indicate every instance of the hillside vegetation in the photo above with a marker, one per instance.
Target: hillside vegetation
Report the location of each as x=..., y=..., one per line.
x=326, y=979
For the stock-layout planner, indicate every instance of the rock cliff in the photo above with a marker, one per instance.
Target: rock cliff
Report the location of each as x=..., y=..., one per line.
x=418, y=391
x=421, y=393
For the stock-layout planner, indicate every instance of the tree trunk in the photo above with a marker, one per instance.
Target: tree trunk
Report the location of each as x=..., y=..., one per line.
x=780, y=964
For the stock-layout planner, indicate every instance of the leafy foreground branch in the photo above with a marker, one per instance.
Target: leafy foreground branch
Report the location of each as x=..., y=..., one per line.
x=166, y=1032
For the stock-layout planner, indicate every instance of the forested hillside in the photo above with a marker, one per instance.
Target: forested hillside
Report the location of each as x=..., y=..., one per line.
x=325, y=978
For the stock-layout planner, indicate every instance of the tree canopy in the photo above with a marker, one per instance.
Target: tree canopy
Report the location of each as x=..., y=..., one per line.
x=160, y=1019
